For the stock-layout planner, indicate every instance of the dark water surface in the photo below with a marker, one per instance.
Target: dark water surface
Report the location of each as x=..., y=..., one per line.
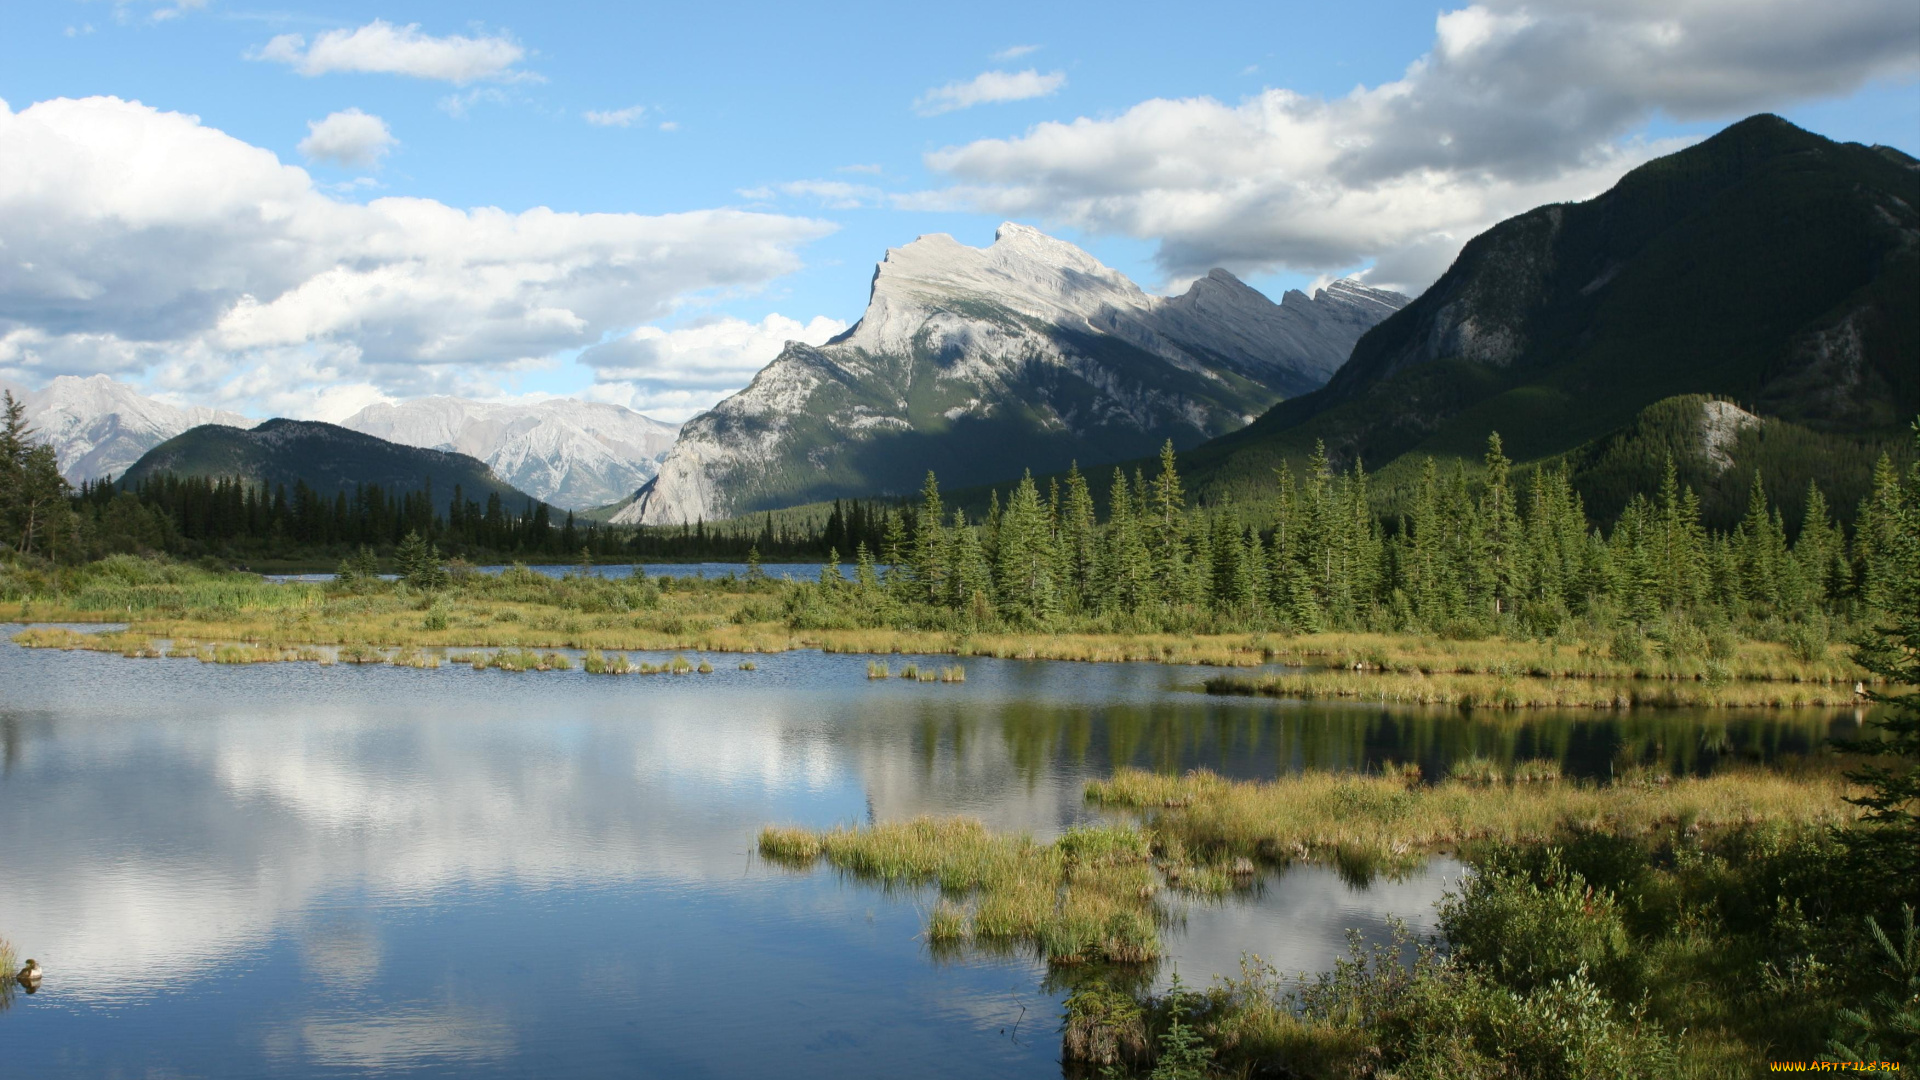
x=296, y=870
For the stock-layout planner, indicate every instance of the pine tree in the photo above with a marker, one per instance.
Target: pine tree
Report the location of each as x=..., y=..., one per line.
x=1127, y=563
x=1077, y=536
x=34, y=511
x=1023, y=559
x=971, y=580
x=930, y=544
x=1877, y=535
x=1500, y=530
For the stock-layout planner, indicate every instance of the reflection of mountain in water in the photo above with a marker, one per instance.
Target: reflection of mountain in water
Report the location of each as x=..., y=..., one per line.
x=1024, y=765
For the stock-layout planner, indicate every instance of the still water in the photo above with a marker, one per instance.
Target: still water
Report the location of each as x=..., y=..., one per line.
x=293, y=870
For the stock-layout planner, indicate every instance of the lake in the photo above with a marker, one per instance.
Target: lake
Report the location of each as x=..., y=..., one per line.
x=311, y=871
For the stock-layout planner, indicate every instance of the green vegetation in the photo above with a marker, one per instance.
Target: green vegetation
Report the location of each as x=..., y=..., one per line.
x=1085, y=897
x=1597, y=919
x=1506, y=692
x=1517, y=561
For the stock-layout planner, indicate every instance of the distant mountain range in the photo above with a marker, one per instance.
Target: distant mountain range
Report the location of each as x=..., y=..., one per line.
x=99, y=427
x=571, y=453
x=1767, y=265
x=326, y=457
x=978, y=363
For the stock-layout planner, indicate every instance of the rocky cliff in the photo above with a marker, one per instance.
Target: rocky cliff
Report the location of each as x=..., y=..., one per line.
x=980, y=362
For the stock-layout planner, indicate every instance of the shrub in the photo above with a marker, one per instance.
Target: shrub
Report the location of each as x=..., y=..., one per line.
x=1526, y=930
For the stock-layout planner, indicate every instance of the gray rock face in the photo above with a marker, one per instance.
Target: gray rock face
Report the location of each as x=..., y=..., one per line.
x=979, y=362
x=98, y=427
x=570, y=453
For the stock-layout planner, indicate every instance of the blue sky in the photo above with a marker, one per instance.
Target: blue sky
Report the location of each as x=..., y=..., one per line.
x=787, y=147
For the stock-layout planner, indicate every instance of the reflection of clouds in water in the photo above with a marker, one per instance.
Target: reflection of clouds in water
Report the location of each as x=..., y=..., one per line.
x=189, y=842
x=407, y=1037
x=193, y=828
x=342, y=949
x=1300, y=919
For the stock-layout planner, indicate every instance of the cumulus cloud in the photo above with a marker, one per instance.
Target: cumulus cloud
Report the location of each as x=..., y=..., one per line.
x=350, y=138
x=1516, y=104
x=674, y=374
x=143, y=241
x=383, y=48
x=988, y=87
x=614, y=117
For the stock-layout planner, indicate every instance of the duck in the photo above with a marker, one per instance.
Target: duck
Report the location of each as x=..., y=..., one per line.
x=30, y=975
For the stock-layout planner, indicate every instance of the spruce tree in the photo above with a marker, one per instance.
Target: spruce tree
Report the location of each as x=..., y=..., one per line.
x=930, y=543
x=1500, y=530
x=1077, y=535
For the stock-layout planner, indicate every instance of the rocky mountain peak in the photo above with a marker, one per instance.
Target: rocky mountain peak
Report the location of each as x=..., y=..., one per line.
x=99, y=426
x=571, y=453
x=1028, y=352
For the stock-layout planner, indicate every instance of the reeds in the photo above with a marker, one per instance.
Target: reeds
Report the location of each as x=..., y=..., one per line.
x=596, y=662
x=877, y=669
x=1501, y=692
x=748, y=665
x=1086, y=897
x=523, y=660
x=1386, y=823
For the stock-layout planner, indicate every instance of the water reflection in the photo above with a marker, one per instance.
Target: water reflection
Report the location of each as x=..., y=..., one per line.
x=305, y=870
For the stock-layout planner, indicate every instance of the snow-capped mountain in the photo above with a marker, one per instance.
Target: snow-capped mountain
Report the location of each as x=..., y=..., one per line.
x=570, y=453
x=98, y=427
x=979, y=362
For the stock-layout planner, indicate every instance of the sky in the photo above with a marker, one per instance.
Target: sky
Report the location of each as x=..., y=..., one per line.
x=302, y=211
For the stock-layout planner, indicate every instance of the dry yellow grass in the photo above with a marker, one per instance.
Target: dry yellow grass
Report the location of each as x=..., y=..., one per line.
x=1093, y=893
x=1503, y=692
x=724, y=618
x=1394, y=821
x=1087, y=896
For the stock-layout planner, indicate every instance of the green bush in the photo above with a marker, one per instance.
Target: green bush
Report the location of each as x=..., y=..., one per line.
x=1527, y=930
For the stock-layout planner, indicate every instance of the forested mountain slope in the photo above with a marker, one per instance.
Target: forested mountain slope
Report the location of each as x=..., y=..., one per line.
x=325, y=457
x=1767, y=265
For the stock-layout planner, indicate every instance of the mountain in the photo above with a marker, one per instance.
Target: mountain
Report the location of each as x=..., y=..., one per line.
x=1766, y=264
x=326, y=457
x=1716, y=447
x=570, y=453
x=99, y=427
x=981, y=362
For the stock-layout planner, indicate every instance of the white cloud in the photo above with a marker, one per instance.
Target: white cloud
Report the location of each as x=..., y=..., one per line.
x=870, y=170
x=674, y=374
x=383, y=48
x=1013, y=52
x=1517, y=104
x=143, y=241
x=988, y=87
x=350, y=138
x=458, y=105
x=669, y=125
x=833, y=194
x=614, y=117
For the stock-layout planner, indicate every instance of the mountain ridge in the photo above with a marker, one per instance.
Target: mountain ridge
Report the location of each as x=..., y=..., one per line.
x=1765, y=264
x=567, y=452
x=326, y=457
x=986, y=361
